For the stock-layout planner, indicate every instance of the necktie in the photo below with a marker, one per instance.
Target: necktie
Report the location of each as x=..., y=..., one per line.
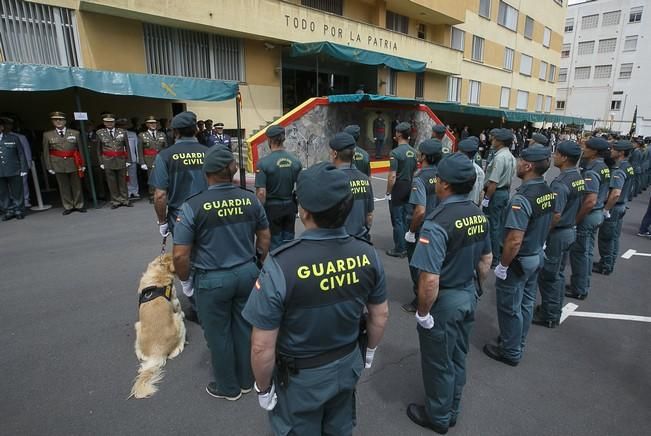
x=61, y=133
x=152, y=133
x=112, y=135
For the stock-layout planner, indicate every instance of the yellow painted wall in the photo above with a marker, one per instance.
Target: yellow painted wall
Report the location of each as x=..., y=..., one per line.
x=261, y=63
x=356, y=10
x=436, y=87
x=406, y=85
x=493, y=54
x=489, y=95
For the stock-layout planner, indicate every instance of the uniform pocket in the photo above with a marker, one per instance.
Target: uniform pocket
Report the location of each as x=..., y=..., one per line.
x=206, y=284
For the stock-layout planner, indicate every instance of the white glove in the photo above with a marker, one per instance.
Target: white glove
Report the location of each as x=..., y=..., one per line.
x=143, y=167
x=51, y=171
x=388, y=197
x=426, y=322
x=101, y=166
x=410, y=237
x=23, y=173
x=83, y=168
x=606, y=214
x=500, y=271
x=188, y=290
x=163, y=229
x=485, y=202
x=370, y=354
x=267, y=401
x=128, y=164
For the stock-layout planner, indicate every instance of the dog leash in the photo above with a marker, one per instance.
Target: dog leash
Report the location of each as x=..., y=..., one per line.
x=162, y=248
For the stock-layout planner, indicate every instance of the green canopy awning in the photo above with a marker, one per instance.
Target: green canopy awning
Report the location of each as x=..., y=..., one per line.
x=357, y=55
x=28, y=77
x=360, y=98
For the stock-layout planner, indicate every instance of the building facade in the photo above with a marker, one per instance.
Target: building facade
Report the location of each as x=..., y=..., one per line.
x=604, y=55
x=488, y=53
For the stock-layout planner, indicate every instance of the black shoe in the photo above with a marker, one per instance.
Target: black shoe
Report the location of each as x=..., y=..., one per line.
x=245, y=390
x=7, y=217
x=192, y=316
x=597, y=268
x=453, y=422
x=67, y=212
x=20, y=216
x=115, y=206
x=571, y=294
x=213, y=392
x=418, y=415
x=395, y=253
x=495, y=353
x=409, y=307
x=81, y=210
x=127, y=204
x=549, y=323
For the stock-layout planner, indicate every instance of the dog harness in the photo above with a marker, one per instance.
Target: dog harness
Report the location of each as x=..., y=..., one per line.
x=152, y=292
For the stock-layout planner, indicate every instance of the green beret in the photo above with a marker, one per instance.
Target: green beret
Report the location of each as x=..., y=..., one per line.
x=275, y=130
x=539, y=138
x=493, y=131
x=503, y=135
x=341, y=141
x=474, y=139
x=403, y=127
x=430, y=146
x=353, y=130
x=597, y=143
x=439, y=128
x=183, y=120
x=456, y=168
x=623, y=145
x=468, y=145
x=217, y=159
x=569, y=148
x=321, y=187
x=535, y=153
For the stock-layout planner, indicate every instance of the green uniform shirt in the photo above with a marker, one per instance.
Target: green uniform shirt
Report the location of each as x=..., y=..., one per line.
x=277, y=173
x=568, y=188
x=12, y=157
x=501, y=168
x=629, y=173
x=363, y=201
x=636, y=159
x=597, y=174
x=530, y=210
x=361, y=161
x=402, y=161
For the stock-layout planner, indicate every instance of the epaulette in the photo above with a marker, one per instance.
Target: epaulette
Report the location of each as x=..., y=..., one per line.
x=359, y=238
x=285, y=246
x=194, y=195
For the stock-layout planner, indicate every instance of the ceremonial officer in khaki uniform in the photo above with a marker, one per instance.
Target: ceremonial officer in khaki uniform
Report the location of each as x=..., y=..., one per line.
x=305, y=310
x=63, y=158
x=526, y=226
x=113, y=153
x=13, y=167
x=217, y=234
x=150, y=143
x=360, y=158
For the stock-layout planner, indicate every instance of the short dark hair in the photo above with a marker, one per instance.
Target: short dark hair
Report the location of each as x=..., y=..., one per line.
x=223, y=173
x=507, y=142
x=279, y=139
x=404, y=134
x=604, y=153
x=346, y=155
x=433, y=159
x=187, y=131
x=463, y=188
x=627, y=153
x=541, y=166
x=571, y=159
x=470, y=154
x=335, y=216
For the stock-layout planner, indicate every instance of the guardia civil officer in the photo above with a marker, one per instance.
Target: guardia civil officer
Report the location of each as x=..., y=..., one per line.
x=114, y=157
x=402, y=164
x=438, y=132
x=275, y=178
x=538, y=138
x=469, y=147
x=63, y=158
x=177, y=173
x=499, y=173
x=422, y=201
x=305, y=310
x=569, y=189
x=597, y=181
x=13, y=167
x=150, y=143
x=453, y=245
x=636, y=161
x=217, y=235
x=222, y=138
x=528, y=218
x=360, y=158
x=621, y=177
x=359, y=220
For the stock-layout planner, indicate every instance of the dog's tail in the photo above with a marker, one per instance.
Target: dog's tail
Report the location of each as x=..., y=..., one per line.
x=149, y=373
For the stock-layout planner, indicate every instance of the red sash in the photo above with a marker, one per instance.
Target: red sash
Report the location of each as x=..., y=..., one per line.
x=79, y=163
x=150, y=152
x=110, y=153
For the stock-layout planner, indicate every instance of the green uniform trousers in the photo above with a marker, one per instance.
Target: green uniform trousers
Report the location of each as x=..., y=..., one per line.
x=443, y=350
x=117, y=184
x=318, y=401
x=220, y=297
x=551, y=280
x=608, y=240
x=12, y=200
x=582, y=250
x=70, y=190
x=496, y=212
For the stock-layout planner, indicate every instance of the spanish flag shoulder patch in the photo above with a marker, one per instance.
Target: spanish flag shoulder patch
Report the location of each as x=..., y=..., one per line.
x=516, y=207
x=257, y=285
x=423, y=240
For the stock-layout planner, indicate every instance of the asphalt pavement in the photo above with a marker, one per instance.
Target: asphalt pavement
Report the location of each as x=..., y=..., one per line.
x=68, y=303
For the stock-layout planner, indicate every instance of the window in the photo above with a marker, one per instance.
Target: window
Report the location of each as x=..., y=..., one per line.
x=581, y=73
x=392, y=85
x=630, y=43
x=420, y=85
x=528, y=27
x=507, y=16
x=525, y=64
x=38, y=34
x=180, y=52
x=603, y=71
x=397, y=22
x=560, y=104
x=565, y=50
x=635, y=16
x=611, y=18
x=547, y=37
x=585, y=48
x=485, y=8
x=618, y=93
x=615, y=105
x=562, y=75
x=332, y=6
x=509, y=53
x=473, y=97
x=589, y=21
x=607, y=45
x=625, y=71
x=539, y=103
x=457, y=39
x=454, y=89
x=477, y=49
x=559, y=2
x=523, y=100
x=421, y=31
x=543, y=70
x=548, y=104
x=505, y=96
x=552, y=73
x=569, y=25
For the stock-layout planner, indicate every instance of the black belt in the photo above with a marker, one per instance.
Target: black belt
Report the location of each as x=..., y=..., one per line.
x=563, y=228
x=321, y=359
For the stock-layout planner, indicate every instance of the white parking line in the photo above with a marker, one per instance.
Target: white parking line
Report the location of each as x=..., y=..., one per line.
x=630, y=253
x=379, y=178
x=567, y=311
x=612, y=316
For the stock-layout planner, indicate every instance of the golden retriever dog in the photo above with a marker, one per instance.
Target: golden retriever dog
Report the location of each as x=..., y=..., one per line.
x=160, y=331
